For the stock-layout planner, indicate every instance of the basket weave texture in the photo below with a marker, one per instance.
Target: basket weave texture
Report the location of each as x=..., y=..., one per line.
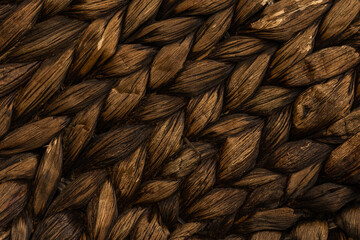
x=179, y=119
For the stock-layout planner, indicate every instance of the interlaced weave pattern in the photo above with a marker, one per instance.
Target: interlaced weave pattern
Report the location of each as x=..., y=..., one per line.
x=179, y=119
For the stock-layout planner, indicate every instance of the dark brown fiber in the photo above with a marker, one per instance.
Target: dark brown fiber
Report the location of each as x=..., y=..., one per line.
x=179, y=119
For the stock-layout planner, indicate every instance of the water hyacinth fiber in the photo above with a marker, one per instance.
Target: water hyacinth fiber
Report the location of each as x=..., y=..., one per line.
x=179, y=119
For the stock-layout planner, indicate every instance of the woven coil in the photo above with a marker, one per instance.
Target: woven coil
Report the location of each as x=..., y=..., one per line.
x=179, y=119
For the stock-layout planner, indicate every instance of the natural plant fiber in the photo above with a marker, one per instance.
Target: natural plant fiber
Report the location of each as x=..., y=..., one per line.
x=179, y=119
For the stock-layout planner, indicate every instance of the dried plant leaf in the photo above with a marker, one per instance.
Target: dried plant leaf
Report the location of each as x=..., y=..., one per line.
x=79, y=132
x=343, y=163
x=216, y=203
x=168, y=31
x=149, y=227
x=341, y=130
x=169, y=209
x=6, y=110
x=126, y=174
x=138, y=12
x=348, y=220
x=156, y=190
x=47, y=38
x=81, y=190
x=322, y=104
x=239, y=154
x=125, y=223
x=311, y=230
x=115, y=145
x=234, y=237
x=64, y=225
x=274, y=219
x=45, y=82
x=21, y=166
x=188, y=159
x=268, y=99
x=22, y=227
x=281, y=20
x=97, y=44
x=93, y=9
x=212, y=31
x=301, y=181
x=321, y=65
x=52, y=7
x=352, y=30
x=219, y=227
x=276, y=132
x=169, y=61
x=296, y=155
x=185, y=231
x=338, y=18
x=32, y=135
x=6, y=9
x=327, y=197
x=13, y=198
x=19, y=22
x=337, y=234
x=125, y=95
x=200, y=181
x=14, y=75
x=245, y=9
x=231, y=125
x=128, y=59
x=257, y=178
x=200, y=76
x=291, y=52
x=5, y=234
x=203, y=110
x=238, y=48
x=246, y=79
x=78, y=97
x=266, y=235
x=165, y=140
x=201, y=7
x=265, y=196
x=102, y=212
x=158, y=106
x=48, y=176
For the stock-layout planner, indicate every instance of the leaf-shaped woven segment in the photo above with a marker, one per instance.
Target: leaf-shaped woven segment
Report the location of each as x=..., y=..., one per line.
x=44, y=83
x=128, y=58
x=283, y=19
x=20, y=21
x=47, y=38
x=343, y=163
x=125, y=95
x=20, y=166
x=78, y=97
x=169, y=61
x=13, y=199
x=14, y=75
x=239, y=154
x=80, y=190
x=64, y=225
x=48, y=176
x=200, y=76
x=115, y=145
x=168, y=30
x=323, y=104
x=209, y=206
x=32, y=135
x=102, y=212
x=321, y=65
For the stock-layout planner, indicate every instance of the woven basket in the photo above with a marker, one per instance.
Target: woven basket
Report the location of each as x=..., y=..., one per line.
x=179, y=119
